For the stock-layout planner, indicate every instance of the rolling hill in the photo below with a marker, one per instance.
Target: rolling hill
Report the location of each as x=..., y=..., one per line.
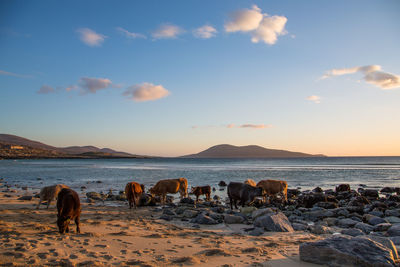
x=251, y=151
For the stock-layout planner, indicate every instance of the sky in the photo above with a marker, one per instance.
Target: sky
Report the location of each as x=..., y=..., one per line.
x=170, y=78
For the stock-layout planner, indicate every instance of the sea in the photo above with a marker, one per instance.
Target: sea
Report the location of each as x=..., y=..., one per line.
x=101, y=175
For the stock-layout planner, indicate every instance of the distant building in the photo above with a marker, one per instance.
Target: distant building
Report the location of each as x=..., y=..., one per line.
x=16, y=147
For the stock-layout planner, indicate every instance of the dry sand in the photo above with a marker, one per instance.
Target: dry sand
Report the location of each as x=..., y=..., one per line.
x=117, y=236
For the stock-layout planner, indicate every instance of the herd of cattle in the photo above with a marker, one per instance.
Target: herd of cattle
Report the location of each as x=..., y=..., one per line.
x=69, y=207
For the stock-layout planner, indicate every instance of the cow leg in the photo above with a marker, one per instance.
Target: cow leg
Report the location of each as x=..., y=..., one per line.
x=236, y=204
x=48, y=203
x=67, y=228
x=38, y=205
x=135, y=201
x=208, y=196
x=78, y=229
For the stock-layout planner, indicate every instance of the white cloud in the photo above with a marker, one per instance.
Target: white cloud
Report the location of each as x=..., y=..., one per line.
x=146, y=92
x=262, y=27
x=92, y=85
x=205, y=32
x=244, y=20
x=131, y=35
x=90, y=37
x=167, y=31
x=372, y=75
x=253, y=126
x=45, y=89
x=316, y=99
x=269, y=29
x=71, y=87
x=6, y=73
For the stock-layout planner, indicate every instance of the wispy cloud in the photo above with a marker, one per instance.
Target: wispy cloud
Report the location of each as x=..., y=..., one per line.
x=45, y=89
x=255, y=126
x=205, y=32
x=233, y=126
x=167, y=31
x=90, y=37
x=372, y=75
x=146, y=92
x=314, y=98
x=6, y=73
x=131, y=35
x=261, y=26
x=92, y=85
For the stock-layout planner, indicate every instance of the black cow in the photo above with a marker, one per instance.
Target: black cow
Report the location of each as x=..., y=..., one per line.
x=243, y=192
x=69, y=208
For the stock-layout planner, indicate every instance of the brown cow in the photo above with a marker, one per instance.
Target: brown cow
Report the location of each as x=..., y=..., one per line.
x=171, y=186
x=250, y=182
x=49, y=193
x=69, y=208
x=133, y=191
x=243, y=192
x=274, y=187
x=202, y=190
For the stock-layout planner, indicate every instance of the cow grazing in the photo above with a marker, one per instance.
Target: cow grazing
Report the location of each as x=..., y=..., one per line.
x=133, y=191
x=172, y=186
x=49, y=193
x=250, y=182
x=202, y=190
x=243, y=192
x=69, y=208
x=274, y=187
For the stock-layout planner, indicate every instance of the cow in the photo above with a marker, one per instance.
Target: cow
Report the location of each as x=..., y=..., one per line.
x=243, y=192
x=250, y=182
x=133, y=191
x=274, y=187
x=172, y=186
x=49, y=193
x=68, y=208
x=202, y=190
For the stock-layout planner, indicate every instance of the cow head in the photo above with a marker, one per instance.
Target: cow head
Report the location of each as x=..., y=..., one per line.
x=193, y=190
x=261, y=192
x=63, y=223
x=152, y=191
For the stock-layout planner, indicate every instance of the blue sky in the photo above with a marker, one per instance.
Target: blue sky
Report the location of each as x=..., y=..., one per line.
x=175, y=77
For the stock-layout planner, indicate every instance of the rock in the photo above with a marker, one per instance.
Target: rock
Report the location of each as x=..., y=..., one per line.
x=394, y=198
x=168, y=212
x=274, y=222
x=203, y=219
x=261, y=212
x=342, y=188
x=346, y=250
x=310, y=199
x=318, y=214
x=320, y=229
x=331, y=221
x=293, y=192
x=382, y=227
x=233, y=219
x=247, y=210
x=94, y=195
x=376, y=220
x=25, y=198
x=189, y=213
x=222, y=183
x=376, y=213
x=187, y=200
x=299, y=227
x=395, y=240
x=346, y=223
x=392, y=219
x=386, y=242
x=352, y=232
x=24, y=187
x=147, y=200
x=327, y=205
x=366, y=228
x=394, y=230
x=388, y=190
x=216, y=216
x=370, y=193
x=318, y=190
x=215, y=197
x=218, y=209
x=257, y=231
x=166, y=217
x=342, y=212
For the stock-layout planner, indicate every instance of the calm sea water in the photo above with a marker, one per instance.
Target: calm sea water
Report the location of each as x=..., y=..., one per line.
x=307, y=173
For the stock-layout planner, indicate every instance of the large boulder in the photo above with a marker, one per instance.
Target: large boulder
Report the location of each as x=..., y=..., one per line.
x=394, y=230
x=343, y=188
x=346, y=223
x=274, y=222
x=233, y=219
x=261, y=212
x=366, y=228
x=341, y=250
x=203, y=219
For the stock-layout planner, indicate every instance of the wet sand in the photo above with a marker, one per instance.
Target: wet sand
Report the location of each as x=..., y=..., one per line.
x=121, y=237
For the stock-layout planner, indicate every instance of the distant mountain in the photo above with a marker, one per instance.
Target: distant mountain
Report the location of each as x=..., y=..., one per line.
x=38, y=148
x=252, y=151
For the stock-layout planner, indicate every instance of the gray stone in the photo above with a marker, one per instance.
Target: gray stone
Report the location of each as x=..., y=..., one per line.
x=203, y=219
x=385, y=242
x=395, y=213
x=247, y=210
x=320, y=229
x=257, y=231
x=382, y=227
x=299, y=227
x=374, y=220
x=25, y=198
x=274, y=222
x=345, y=250
x=316, y=215
x=94, y=195
x=168, y=212
x=233, y=219
x=189, y=214
x=352, y=232
x=392, y=219
x=366, y=228
x=166, y=217
x=395, y=240
x=394, y=230
x=261, y=212
x=346, y=223
x=331, y=221
x=376, y=213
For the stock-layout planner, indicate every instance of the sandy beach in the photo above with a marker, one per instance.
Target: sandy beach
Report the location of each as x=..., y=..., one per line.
x=115, y=235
